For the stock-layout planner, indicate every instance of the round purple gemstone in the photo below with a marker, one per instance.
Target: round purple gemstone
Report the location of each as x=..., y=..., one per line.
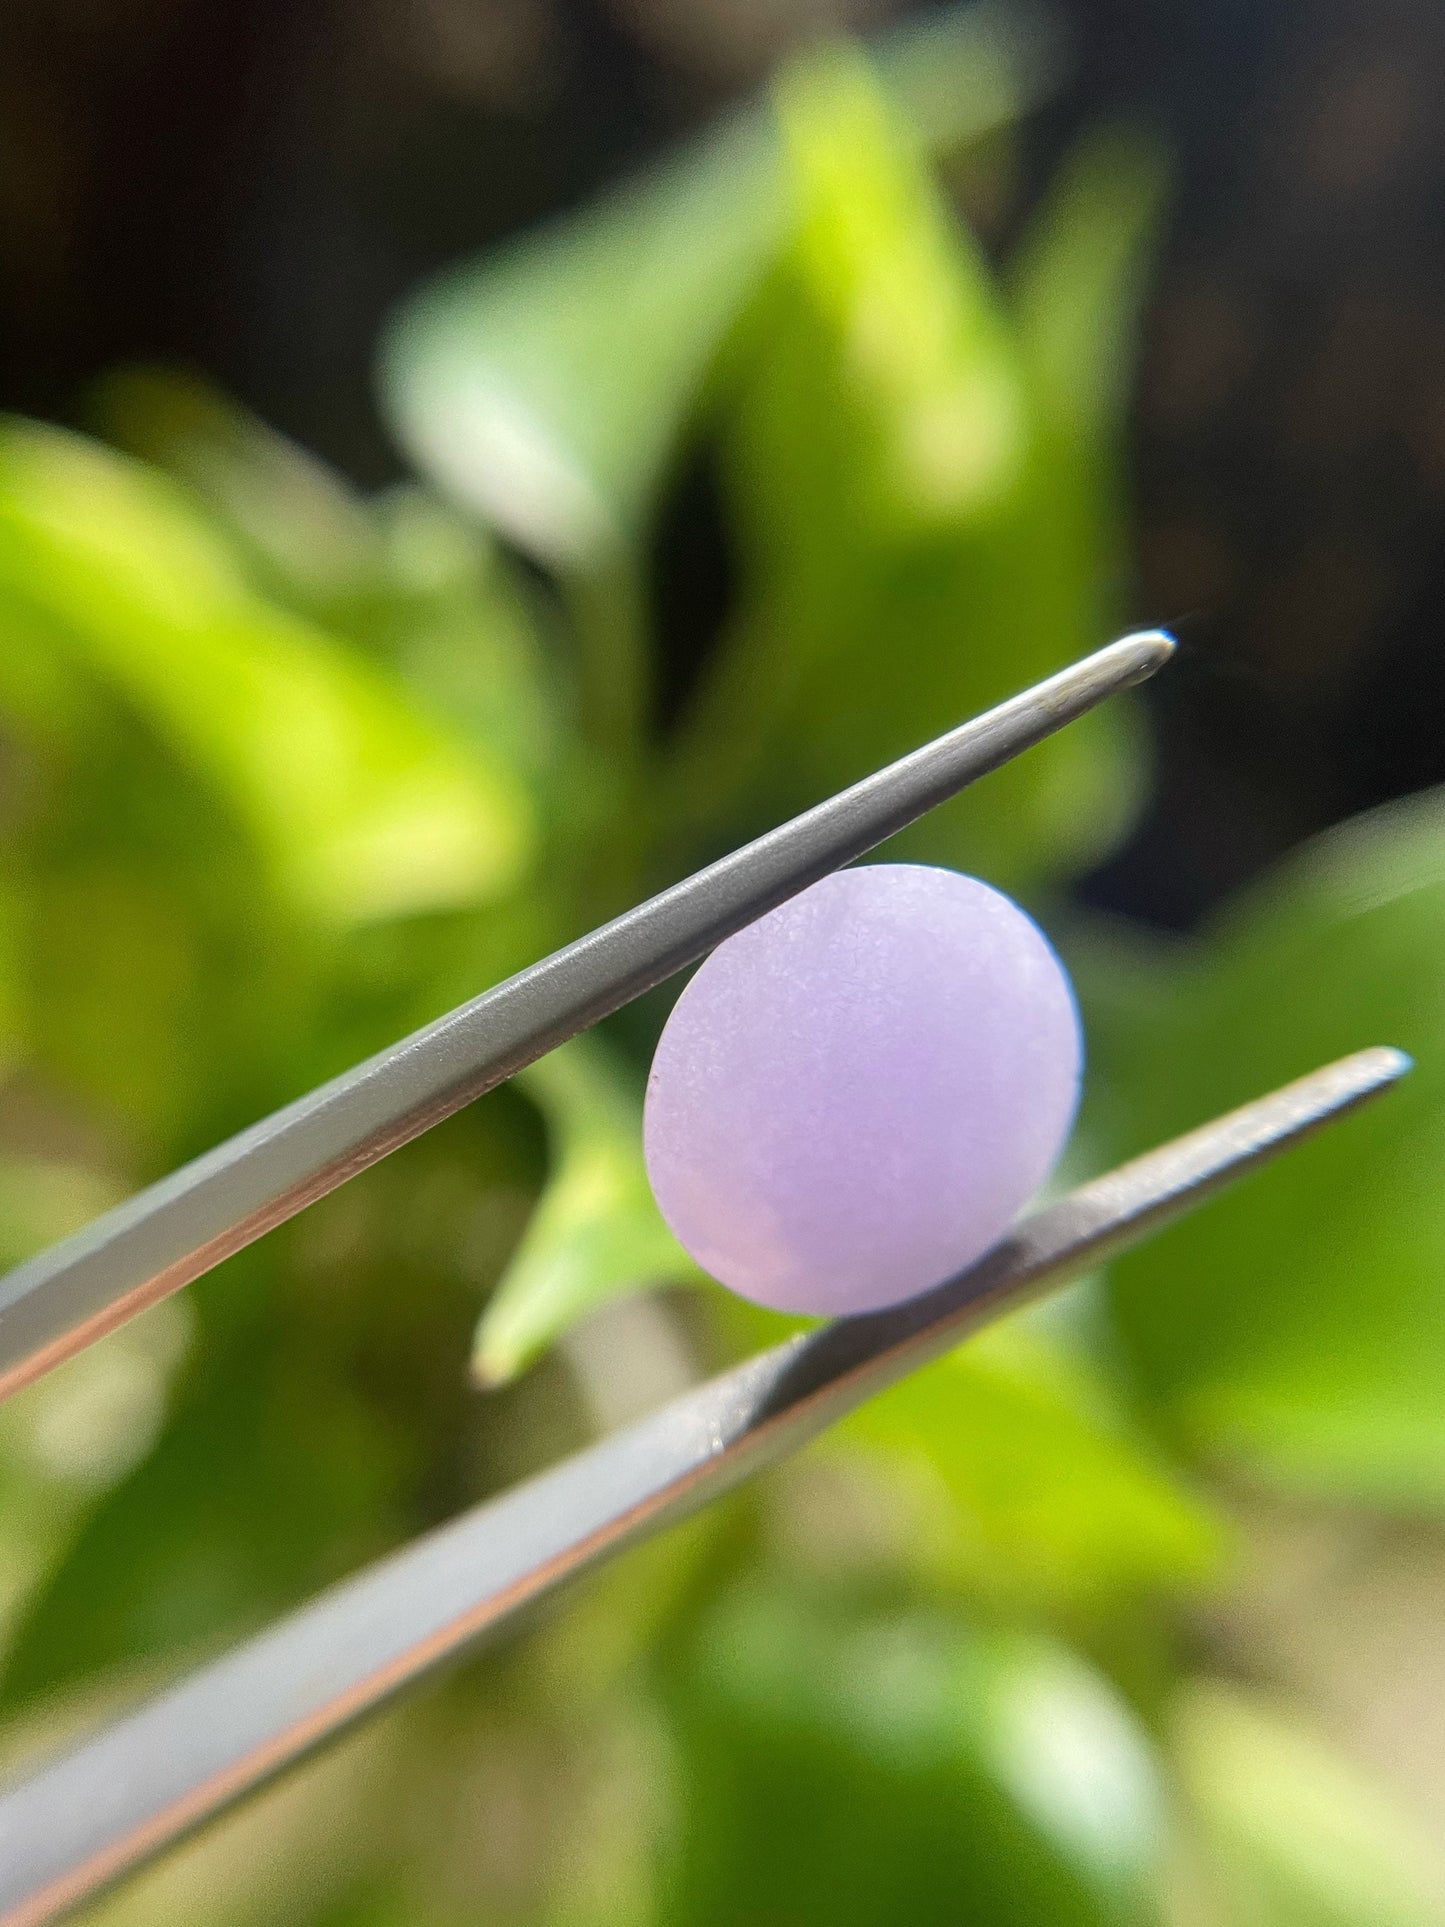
x=856, y=1095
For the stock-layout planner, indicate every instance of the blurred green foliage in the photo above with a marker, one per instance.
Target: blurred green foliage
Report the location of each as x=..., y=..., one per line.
x=285, y=771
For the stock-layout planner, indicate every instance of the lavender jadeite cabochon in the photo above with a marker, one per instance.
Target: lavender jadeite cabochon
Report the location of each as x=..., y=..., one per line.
x=856, y=1095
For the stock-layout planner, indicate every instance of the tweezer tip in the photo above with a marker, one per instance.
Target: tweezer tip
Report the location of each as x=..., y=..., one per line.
x=1383, y=1064
x=1336, y=1088
x=1147, y=650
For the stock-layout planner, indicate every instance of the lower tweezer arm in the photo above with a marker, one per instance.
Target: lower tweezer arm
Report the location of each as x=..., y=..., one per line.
x=135, y=1787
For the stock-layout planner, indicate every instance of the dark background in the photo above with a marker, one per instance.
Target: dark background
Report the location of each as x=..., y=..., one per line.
x=247, y=189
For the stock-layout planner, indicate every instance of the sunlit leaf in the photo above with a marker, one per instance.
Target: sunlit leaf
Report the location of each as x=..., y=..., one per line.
x=366, y=806
x=169, y=994
x=547, y=385
x=1298, y=1325
x=910, y=552
x=597, y=1232
x=449, y=612
x=845, y=1767
x=544, y=386
x=401, y=573
x=1295, y=1834
x=307, y=532
x=1052, y=1500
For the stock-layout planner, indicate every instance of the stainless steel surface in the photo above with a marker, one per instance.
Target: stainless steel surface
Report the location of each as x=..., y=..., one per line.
x=133, y=1788
x=165, y=1236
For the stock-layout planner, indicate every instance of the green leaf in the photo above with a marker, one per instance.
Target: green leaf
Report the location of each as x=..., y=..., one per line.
x=451, y=615
x=597, y=1233
x=1077, y=282
x=404, y=575
x=42, y=1200
x=547, y=385
x=306, y=533
x=366, y=806
x=1298, y=1836
x=868, y=1770
x=1075, y=290
x=919, y=534
x=1297, y=1326
x=959, y=74
x=85, y=1425
x=268, y=1480
x=1052, y=1500
x=118, y=968
x=322, y=1416
x=12, y=1015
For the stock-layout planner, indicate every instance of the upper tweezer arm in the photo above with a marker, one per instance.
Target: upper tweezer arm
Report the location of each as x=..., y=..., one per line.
x=175, y=1230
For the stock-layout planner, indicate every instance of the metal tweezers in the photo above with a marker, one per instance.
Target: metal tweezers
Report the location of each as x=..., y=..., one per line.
x=132, y=1789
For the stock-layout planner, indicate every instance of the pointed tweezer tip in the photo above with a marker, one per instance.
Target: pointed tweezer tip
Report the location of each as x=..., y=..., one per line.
x=1146, y=650
x=1382, y=1064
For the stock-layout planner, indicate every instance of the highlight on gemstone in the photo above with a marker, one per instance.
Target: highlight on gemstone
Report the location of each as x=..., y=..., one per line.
x=856, y=1095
